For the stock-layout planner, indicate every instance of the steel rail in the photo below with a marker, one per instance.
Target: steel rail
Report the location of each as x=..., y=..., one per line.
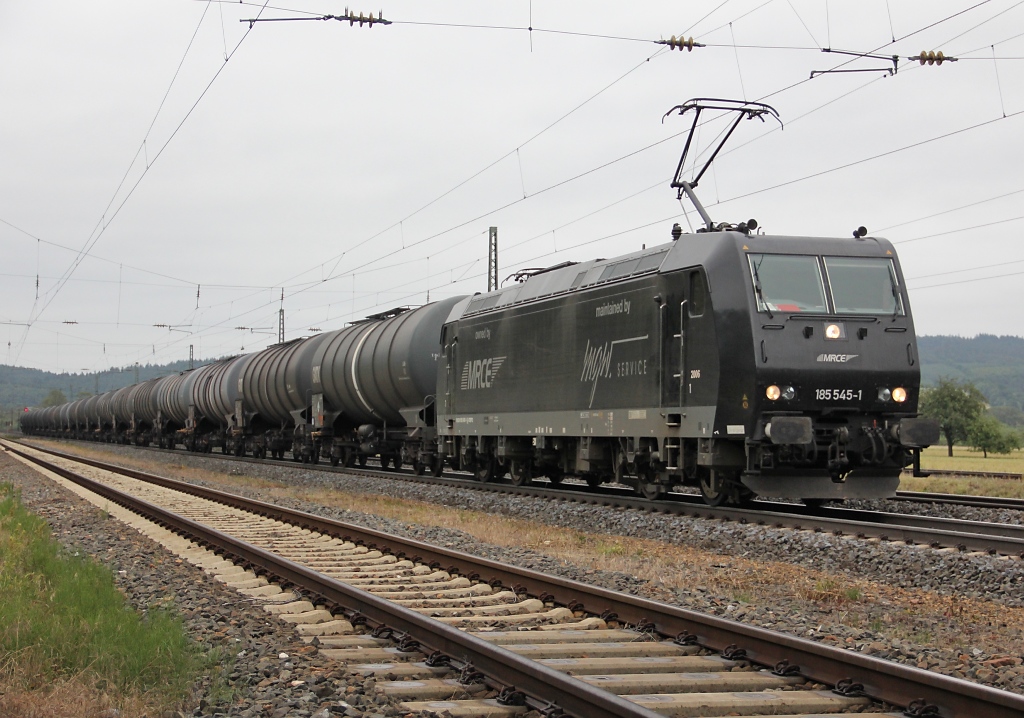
x=546, y=686
x=893, y=683
x=993, y=538
x=988, y=502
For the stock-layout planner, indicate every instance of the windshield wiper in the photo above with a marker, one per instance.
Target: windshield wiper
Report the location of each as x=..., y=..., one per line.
x=895, y=298
x=757, y=288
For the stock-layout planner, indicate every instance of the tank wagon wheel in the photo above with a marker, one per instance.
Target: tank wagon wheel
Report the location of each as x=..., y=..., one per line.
x=418, y=467
x=315, y=457
x=437, y=467
x=593, y=481
x=396, y=462
x=362, y=461
x=555, y=476
x=335, y=459
x=348, y=458
x=384, y=462
x=521, y=472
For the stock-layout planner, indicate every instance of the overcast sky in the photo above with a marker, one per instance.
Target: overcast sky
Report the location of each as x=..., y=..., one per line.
x=358, y=169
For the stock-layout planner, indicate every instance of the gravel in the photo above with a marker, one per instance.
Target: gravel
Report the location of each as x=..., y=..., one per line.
x=934, y=645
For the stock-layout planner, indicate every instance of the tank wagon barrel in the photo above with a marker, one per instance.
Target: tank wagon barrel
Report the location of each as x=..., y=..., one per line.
x=371, y=380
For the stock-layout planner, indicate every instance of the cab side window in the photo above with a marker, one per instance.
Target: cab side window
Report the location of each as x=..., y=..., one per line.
x=698, y=295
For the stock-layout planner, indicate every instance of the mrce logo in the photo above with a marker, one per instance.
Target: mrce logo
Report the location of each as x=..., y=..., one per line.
x=836, y=358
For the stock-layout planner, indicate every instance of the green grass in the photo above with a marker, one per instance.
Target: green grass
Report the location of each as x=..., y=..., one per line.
x=966, y=459
x=61, y=616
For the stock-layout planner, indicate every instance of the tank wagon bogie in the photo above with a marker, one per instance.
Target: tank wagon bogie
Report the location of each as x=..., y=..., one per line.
x=738, y=363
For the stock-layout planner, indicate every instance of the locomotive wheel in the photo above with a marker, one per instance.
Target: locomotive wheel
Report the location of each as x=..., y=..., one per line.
x=715, y=488
x=437, y=467
x=521, y=472
x=483, y=470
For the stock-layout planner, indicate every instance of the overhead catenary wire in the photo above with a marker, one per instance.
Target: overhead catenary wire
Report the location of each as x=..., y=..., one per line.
x=817, y=174
x=104, y=221
x=718, y=7
x=314, y=290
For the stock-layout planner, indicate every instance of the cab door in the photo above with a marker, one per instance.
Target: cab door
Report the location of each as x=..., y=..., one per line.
x=699, y=352
x=450, y=340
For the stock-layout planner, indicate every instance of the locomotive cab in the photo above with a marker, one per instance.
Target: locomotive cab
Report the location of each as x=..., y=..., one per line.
x=836, y=377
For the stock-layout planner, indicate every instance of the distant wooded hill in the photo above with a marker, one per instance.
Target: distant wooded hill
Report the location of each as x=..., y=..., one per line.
x=20, y=387
x=994, y=364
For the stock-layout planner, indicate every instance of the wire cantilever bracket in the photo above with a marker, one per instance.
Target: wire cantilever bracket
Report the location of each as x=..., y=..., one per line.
x=743, y=110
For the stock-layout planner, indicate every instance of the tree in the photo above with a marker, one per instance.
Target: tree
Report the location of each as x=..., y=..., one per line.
x=989, y=434
x=55, y=398
x=956, y=406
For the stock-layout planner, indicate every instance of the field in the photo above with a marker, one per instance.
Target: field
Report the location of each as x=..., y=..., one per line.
x=964, y=459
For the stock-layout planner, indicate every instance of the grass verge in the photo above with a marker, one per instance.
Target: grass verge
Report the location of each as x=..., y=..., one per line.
x=69, y=643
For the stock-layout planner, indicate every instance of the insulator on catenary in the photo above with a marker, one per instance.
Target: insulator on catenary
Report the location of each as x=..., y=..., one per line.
x=360, y=18
x=930, y=57
x=679, y=43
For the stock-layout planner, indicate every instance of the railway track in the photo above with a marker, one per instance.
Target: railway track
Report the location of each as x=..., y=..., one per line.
x=444, y=631
x=940, y=533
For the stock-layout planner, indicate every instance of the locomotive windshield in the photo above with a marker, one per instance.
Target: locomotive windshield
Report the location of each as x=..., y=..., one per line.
x=795, y=283
x=787, y=283
x=863, y=285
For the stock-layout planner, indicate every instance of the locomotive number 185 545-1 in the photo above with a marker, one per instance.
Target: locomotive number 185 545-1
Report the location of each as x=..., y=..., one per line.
x=838, y=394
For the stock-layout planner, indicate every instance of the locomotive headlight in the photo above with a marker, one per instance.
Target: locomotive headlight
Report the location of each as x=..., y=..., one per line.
x=773, y=393
x=833, y=331
x=899, y=395
x=788, y=393
x=884, y=394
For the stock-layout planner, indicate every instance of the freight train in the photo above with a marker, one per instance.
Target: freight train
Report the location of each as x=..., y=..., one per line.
x=740, y=363
x=734, y=361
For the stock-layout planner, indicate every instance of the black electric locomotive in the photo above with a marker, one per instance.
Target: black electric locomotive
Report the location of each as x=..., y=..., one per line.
x=742, y=363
